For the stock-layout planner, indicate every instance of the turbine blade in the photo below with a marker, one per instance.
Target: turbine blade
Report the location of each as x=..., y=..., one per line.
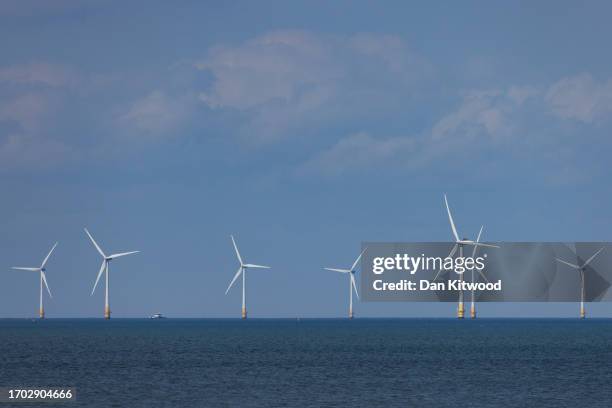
x=452, y=252
x=47, y=257
x=236, y=248
x=234, y=280
x=483, y=275
x=477, y=241
x=21, y=268
x=337, y=270
x=358, y=259
x=95, y=243
x=354, y=285
x=99, y=274
x=120, y=254
x=483, y=245
x=450, y=218
x=592, y=257
x=567, y=263
x=44, y=277
x=256, y=266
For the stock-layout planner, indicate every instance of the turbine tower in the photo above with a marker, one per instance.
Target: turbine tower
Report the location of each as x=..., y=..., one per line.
x=43, y=280
x=105, y=261
x=459, y=244
x=352, y=285
x=473, y=302
x=582, y=269
x=242, y=271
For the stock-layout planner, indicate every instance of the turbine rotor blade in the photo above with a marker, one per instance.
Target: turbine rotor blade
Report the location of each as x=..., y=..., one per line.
x=120, y=254
x=99, y=274
x=21, y=268
x=483, y=275
x=483, y=245
x=450, y=218
x=567, y=263
x=234, y=280
x=236, y=248
x=477, y=241
x=354, y=285
x=358, y=259
x=592, y=257
x=337, y=270
x=452, y=252
x=256, y=266
x=44, y=278
x=47, y=257
x=95, y=243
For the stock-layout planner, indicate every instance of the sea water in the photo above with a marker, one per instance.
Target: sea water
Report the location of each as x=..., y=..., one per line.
x=313, y=362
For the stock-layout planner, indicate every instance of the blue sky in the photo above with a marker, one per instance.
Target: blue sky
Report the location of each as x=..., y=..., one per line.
x=303, y=129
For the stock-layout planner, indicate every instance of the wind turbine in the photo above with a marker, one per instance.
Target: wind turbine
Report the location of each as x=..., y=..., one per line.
x=106, y=260
x=459, y=244
x=242, y=271
x=43, y=279
x=352, y=285
x=582, y=269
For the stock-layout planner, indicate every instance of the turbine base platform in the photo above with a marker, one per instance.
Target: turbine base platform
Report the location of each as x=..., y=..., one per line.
x=460, y=312
x=582, y=314
x=107, y=313
x=244, y=313
x=41, y=313
x=473, y=312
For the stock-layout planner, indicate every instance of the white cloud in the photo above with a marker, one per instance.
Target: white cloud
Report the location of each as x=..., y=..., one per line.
x=581, y=98
x=157, y=114
x=20, y=150
x=361, y=151
x=482, y=119
x=29, y=110
x=281, y=66
x=482, y=114
x=37, y=73
x=31, y=98
x=284, y=79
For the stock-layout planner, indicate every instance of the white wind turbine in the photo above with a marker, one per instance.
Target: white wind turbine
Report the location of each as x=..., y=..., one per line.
x=459, y=244
x=43, y=280
x=106, y=260
x=352, y=285
x=242, y=271
x=582, y=269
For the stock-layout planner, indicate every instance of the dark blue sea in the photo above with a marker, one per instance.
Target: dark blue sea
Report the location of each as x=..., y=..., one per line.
x=313, y=363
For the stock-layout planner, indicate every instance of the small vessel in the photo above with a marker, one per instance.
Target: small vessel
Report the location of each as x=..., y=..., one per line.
x=158, y=316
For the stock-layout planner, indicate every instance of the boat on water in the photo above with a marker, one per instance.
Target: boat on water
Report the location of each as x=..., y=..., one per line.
x=158, y=316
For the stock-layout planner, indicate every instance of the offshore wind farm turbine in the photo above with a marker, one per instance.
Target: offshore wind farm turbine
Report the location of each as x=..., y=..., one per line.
x=459, y=244
x=105, y=261
x=352, y=285
x=43, y=279
x=242, y=271
x=582, y=269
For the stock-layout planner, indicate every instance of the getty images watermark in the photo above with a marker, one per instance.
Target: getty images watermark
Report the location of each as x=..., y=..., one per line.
x=510, y=271
x=441, y=265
